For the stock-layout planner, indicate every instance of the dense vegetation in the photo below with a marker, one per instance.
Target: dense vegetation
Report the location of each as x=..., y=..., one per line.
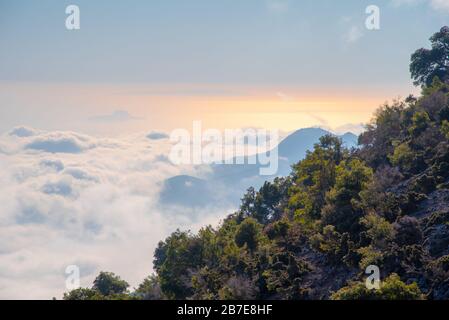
x=312, y=234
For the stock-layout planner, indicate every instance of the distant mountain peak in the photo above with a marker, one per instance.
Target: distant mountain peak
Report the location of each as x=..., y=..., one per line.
x=295, y=146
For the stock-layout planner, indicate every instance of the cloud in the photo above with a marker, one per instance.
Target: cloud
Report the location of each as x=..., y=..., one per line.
x=60, y=142
x=116, y=116
x=56, y=165
x=80, y=174
x=62, y=187
x=73, y=199
x=284, y=97
x=181, y=91
x=22, y=132
x=157, y=135
x=356, y=128
x=353, y=34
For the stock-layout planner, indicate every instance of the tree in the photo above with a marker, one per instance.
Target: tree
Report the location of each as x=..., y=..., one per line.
x=107, y=283
x=421, y=121
x=248, y=233
x=106, y=286
x=238, y=288
x=81, y=294
x=150, y=289
x=426, y=64
x=343, y=200
x=384, y=129
x=263, y=205
x=174, y=258
x=314, y=176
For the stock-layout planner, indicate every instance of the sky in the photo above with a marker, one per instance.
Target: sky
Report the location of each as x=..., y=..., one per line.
x=264, y=63
x=85, y=114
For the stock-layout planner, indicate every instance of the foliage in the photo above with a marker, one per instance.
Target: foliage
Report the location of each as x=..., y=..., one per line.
x=342, y=208
x=407, y=231
x=150, y=289
x=173, y=258
x=402, y=157
x=391, y=289
x=430, y=63
x=81, y=294
x=379, y=230
x=384, y=129
x=314, y=177
x=238, y=288
x=248, y=234
x=445, y=128
x=106, y=286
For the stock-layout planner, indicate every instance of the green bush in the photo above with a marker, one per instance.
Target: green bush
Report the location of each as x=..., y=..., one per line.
x=391, y=289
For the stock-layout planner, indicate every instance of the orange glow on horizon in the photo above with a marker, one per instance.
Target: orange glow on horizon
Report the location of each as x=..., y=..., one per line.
x=165, y=107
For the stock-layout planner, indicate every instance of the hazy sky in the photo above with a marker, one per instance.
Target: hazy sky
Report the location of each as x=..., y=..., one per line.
x=82, y=181
x=163, y=63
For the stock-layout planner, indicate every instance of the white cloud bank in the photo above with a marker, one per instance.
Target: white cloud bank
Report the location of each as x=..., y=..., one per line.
x=68, y=198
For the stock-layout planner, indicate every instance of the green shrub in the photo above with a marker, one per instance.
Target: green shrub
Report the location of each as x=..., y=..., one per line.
x=378, y=229
x=402, y=156
x=391, y=289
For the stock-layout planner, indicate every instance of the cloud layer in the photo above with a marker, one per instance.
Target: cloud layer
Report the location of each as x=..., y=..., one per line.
x=72, y=199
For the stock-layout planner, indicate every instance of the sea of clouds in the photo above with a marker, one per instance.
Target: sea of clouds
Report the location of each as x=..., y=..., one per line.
x=72, y=199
